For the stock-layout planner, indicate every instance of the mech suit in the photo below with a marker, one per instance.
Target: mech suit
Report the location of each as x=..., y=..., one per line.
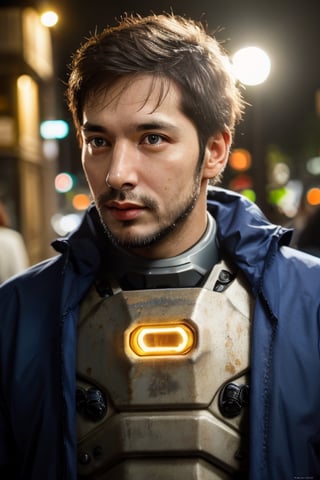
x=39, y=328
x=163, y=368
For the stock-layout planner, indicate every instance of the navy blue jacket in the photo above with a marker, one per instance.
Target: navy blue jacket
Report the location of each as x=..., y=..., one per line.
x=38, y=321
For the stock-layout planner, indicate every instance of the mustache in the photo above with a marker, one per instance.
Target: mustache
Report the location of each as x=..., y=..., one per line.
x=125, y=195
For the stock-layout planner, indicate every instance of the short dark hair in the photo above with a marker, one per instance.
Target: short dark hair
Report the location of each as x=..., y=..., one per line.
x=168, y=47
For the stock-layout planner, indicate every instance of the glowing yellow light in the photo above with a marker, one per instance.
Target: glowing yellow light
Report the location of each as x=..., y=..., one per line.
x=155, y=340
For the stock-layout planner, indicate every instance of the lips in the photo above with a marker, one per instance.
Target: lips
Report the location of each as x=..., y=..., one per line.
x=124, y=211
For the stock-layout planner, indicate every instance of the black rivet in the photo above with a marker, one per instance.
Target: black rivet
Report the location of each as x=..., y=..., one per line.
x=225, y=276
x=224, y=280
x=91, y=404
x=84, y=458
x=232, y=398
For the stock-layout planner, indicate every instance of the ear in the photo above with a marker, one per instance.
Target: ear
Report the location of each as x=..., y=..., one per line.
x=216, y=154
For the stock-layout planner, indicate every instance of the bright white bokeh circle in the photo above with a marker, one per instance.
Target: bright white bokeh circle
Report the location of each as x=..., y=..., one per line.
x=49, y=19
x=251, y=65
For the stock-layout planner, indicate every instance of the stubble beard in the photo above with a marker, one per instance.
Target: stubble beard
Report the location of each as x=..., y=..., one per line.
x=166, y=226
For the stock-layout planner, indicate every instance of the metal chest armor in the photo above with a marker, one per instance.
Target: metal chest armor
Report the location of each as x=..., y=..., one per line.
x=162, y=379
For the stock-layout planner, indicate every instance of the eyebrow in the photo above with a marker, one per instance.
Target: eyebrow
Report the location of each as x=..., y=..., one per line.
x=141, y=127
x=156, y=125
x=91, y=127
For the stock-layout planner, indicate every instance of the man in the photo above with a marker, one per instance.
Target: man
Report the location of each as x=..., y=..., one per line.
x=175, y=327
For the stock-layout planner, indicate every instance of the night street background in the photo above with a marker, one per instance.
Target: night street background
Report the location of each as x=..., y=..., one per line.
x=282, y=122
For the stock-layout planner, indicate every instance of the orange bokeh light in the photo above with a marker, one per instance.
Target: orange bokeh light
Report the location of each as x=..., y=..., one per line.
x=240, y=159
x=81, y=201
x=313, y=196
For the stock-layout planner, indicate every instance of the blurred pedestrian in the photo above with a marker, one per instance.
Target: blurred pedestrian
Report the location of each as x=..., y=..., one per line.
x=13, y=253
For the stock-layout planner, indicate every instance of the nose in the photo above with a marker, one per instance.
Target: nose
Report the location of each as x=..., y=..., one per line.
x=122, y=174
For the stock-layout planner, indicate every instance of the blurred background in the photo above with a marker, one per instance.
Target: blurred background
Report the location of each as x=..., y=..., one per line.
x=276, y=152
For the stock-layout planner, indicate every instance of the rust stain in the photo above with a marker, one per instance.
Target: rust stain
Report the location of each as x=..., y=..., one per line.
x=230, y=368
x=229, y=343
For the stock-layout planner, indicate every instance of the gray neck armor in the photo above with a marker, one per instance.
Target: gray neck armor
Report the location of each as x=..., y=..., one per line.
x=189, y=269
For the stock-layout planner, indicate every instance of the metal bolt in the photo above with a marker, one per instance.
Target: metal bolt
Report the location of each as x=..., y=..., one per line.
x=84, y=458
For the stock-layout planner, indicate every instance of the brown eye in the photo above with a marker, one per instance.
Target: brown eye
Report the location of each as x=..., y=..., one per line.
x=98, y=142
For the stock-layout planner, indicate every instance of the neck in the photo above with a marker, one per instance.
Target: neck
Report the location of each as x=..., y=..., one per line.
x=187, y=269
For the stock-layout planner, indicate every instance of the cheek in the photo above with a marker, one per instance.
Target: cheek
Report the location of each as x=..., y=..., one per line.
x=87, y=170
x=172, y=187
x=95, y=171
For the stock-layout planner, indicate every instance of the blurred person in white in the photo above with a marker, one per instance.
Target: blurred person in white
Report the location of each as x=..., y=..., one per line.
x=13, y=254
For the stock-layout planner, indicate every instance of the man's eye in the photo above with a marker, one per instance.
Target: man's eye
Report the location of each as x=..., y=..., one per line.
x=153, y=139
x=97, y=142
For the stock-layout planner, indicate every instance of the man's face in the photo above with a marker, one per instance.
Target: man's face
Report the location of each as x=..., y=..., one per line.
x=141, y=163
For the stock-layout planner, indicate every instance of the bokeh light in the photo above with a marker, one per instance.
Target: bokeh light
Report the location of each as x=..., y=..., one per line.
x=64, y=224
x=54, y=129
x=240, y=159
x=313, y=196
x=63, y=182
x=49, y=18
x=81, y=201
x=251, y=65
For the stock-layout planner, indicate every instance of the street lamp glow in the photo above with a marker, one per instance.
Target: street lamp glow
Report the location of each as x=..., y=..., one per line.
x=251, y=65
x=49, y=19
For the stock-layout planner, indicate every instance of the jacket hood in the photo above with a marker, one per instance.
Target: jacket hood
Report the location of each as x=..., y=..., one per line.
x=244, y=233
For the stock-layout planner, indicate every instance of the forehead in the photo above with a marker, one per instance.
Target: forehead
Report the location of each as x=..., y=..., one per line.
x=144, y=92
